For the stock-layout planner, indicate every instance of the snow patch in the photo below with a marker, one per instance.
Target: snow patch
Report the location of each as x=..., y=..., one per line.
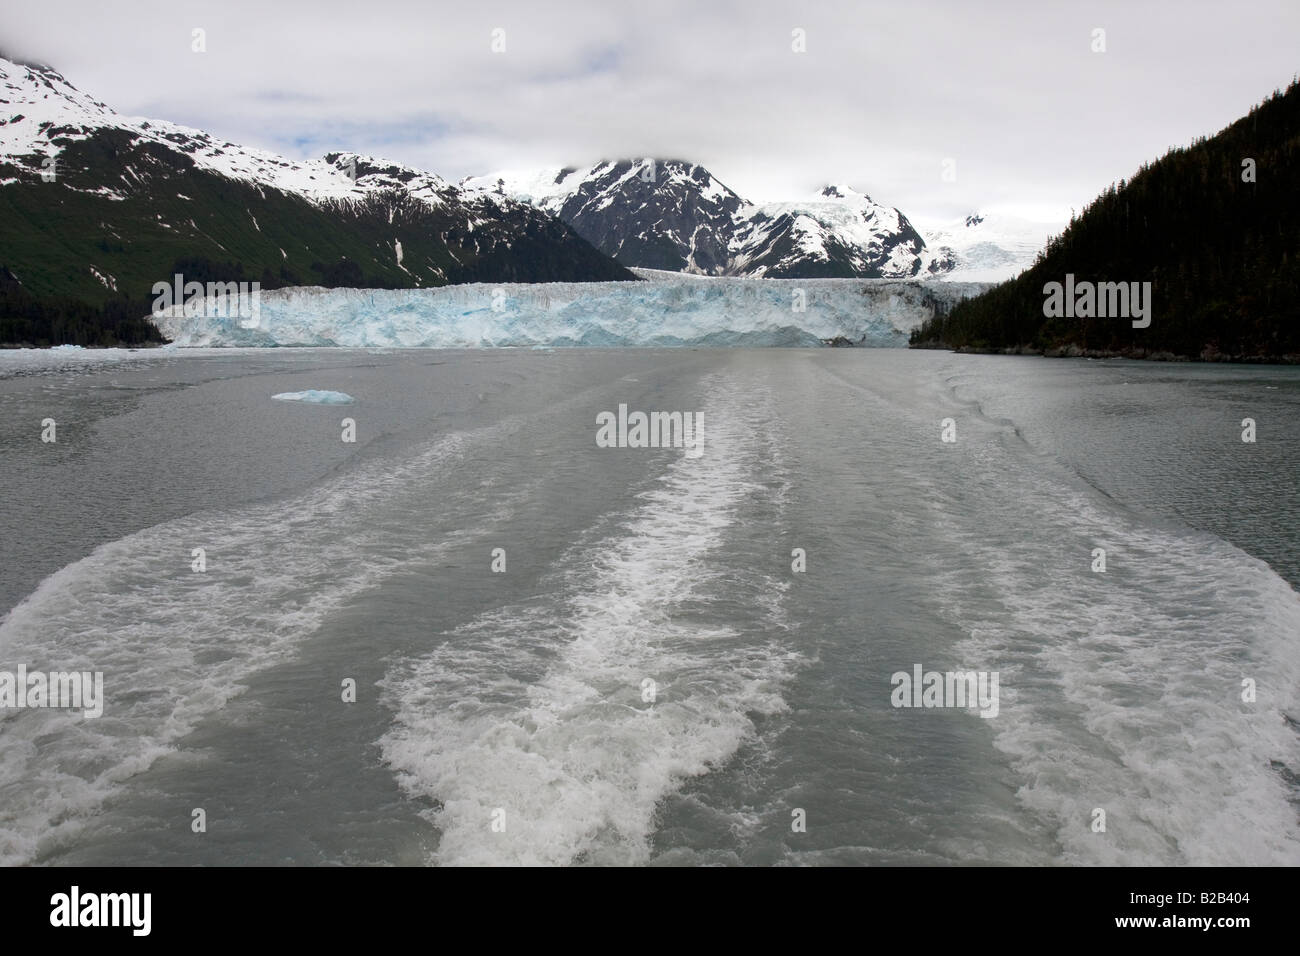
x=107, y=280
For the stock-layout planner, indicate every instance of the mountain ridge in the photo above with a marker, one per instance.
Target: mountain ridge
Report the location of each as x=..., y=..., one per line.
x=96, y=206
x=675, y=215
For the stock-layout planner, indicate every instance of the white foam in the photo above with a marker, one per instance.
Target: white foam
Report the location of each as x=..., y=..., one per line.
x=175, y=644
x=1122, y=691
x=537, y=709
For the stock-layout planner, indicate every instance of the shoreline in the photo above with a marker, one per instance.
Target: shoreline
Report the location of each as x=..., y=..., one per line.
x=1067, y=351
x=1206, y=357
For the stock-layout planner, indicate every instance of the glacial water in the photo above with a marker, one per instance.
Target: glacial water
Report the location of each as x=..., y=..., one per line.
x=644, y=678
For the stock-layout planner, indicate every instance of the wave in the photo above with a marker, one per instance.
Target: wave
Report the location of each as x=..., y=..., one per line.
x=536, y=715
x=175, y=644
x=1123, y=691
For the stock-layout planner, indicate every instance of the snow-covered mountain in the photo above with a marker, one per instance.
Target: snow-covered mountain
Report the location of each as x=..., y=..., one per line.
x=101, y=203
x=98, y=206
x=664, y=214
x=677, y=216
x=840, y=233
x=986, y=246
x=47, y=113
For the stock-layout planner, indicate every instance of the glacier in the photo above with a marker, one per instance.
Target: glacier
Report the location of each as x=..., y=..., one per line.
x=665, y=309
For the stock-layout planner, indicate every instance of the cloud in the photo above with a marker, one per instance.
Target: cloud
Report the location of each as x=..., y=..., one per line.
x=884, y=93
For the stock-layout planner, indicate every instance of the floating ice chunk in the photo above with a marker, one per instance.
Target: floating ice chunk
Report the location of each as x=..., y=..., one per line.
x=317, y=396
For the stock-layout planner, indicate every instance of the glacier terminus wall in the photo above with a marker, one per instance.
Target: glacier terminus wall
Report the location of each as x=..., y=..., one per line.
x=665, y=309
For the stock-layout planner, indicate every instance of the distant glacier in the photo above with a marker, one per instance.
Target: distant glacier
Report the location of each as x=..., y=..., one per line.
x=666, y=310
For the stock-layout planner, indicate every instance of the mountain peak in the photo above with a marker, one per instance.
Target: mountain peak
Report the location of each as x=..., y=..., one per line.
x=675, y=215
x=34, y=65
x=842, y=191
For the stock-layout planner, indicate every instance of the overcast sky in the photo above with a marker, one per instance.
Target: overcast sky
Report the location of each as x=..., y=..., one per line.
x=1034, y=120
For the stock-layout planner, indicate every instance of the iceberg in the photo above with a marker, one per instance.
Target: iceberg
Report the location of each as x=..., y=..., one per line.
x=316, y=396
x=664, y=309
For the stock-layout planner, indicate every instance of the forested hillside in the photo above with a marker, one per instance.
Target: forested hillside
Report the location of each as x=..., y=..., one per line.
x=1214, y=227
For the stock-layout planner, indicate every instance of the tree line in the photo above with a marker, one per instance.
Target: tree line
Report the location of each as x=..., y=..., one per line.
x=1214, y=226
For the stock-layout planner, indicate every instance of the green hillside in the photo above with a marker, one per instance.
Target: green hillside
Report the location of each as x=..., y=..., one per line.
x=1222, y=255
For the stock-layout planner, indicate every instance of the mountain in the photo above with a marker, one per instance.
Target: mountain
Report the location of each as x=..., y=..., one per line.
x=986, y=246
x=1198, y=255
x=667, y=215
x=841, y=233
x=95, y=206
x=658, y=215
x=677, y=216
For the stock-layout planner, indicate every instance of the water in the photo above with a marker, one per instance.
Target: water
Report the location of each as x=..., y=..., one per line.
x=649, y=681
